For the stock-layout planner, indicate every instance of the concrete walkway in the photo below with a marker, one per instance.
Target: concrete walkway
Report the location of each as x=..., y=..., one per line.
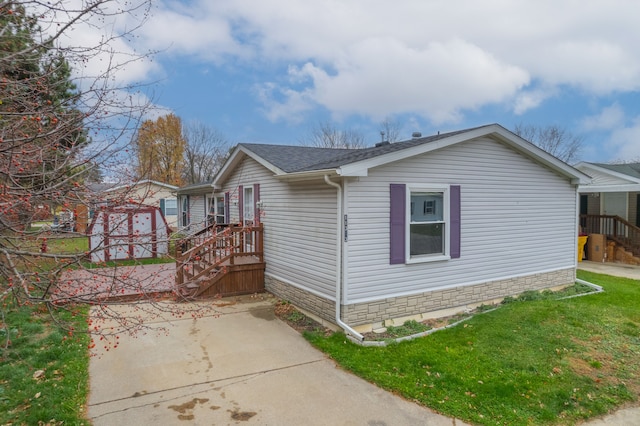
x=615, y=269
x=238, y=363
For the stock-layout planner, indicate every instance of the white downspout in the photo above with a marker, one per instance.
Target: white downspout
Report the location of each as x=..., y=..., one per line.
x=341, y=323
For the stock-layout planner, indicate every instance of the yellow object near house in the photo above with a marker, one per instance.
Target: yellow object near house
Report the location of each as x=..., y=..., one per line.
x=582, y=241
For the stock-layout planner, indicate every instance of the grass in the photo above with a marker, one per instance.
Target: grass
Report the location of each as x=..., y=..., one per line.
x=540, y=362
x=66, y=244
x=43, y=369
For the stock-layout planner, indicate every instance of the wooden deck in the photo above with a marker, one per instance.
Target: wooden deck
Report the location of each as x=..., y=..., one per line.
x=220, y=262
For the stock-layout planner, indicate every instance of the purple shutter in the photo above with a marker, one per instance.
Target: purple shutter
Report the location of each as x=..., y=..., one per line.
x=397, y=219
x=454, y=218
x=256, y=198
x=241, y=204
x=226, y=207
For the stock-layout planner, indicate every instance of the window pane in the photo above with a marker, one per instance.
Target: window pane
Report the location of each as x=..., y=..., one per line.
x=170, y=206
x=248, y=203
x=220, y=206
x=427, y=206
x=427, y=238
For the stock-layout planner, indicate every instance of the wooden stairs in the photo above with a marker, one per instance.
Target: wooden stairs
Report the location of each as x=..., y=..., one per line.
x=220, y=261
x=622, y=236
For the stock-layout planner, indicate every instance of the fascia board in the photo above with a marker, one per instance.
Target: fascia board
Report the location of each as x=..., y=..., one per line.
x=236, y=157
x=314, y=174
x=609, y=188
x=498, y=132
x=361, y=168
x=142, y=182
x=615, y=174
x=542, y=156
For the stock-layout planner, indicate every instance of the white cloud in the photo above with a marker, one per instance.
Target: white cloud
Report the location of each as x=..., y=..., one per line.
x=624, y=144
x=435, y=59
x=609, y=118
x=380, y=77
x=290, y=105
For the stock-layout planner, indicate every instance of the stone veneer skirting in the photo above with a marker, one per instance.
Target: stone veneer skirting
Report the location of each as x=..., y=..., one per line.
x=407, y=306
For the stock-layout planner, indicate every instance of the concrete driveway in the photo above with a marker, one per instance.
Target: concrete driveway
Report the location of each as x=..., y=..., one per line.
x=237, y=365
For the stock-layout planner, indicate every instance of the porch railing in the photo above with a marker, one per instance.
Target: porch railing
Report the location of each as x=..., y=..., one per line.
x=206, y=252
x=615, y=228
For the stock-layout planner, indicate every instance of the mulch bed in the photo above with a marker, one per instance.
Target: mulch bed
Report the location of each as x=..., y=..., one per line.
x=287, y=313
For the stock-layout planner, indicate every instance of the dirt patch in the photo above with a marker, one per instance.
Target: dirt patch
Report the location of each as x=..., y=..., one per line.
x=286, y=312
x=416, y=328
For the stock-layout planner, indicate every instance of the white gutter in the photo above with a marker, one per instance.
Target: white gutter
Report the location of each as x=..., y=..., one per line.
x=342, y=324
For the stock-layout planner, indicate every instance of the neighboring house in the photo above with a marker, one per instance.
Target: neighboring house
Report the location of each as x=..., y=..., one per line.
x=197, y=206
x=147, y=192
x=427, y=226
x=610, y=209
x=613, y=191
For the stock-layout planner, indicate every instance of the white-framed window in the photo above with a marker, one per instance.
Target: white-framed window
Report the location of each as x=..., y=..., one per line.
x=171, y=206
x=219, y=212
x=248, y=204
x=184, y=219
x=427, y=223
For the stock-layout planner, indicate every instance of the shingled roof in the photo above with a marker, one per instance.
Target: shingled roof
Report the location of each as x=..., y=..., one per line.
x=301, y=162
x=630, y=169
x=292, y=159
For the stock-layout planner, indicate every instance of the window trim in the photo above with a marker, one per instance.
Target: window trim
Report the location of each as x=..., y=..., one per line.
x=446, y=219
x=185, y=207
x=219, y=211
x=166, y=207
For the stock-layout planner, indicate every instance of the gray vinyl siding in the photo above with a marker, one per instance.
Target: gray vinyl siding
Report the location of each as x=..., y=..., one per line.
x=633, y=208
x=517, y=218
x=299, y=227
x=197, y=216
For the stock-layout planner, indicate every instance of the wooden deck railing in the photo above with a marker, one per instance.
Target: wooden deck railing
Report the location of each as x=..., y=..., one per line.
x=615, y=228
x=206, y=252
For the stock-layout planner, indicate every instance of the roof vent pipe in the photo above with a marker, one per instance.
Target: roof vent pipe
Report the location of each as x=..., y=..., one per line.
x=416, y=135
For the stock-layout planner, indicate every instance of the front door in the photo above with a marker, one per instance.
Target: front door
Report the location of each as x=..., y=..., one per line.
x=615, y=204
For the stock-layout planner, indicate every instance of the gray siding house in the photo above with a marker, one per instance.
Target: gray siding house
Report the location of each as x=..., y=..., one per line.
x=614, y=190
x=406, y=230
x=195, y=204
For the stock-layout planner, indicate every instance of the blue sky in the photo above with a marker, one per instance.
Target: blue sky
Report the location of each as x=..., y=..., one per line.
x=269, y=70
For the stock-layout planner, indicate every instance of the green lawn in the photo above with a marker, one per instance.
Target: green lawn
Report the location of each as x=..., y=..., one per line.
x=43, y=368
x=527, y=363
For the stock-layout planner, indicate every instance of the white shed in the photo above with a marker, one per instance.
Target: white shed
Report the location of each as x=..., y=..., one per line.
x=131, y=231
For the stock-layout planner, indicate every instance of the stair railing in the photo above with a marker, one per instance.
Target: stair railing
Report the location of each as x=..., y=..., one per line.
x=223, y=244
x=615, y=228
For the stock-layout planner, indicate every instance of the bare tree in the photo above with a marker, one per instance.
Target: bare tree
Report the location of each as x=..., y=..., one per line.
x=205, y=152
x=554, y=139
x=390, y=130
x=327, y=135
x=60, y=120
